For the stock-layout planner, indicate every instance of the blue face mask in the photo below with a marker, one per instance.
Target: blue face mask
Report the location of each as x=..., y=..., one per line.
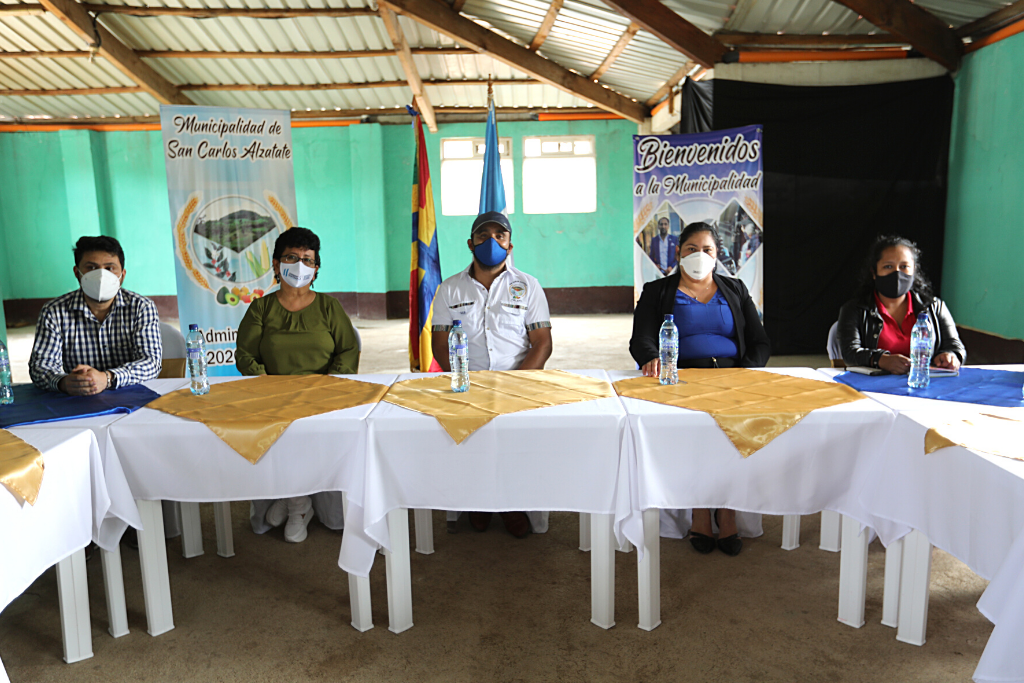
x=490, y=253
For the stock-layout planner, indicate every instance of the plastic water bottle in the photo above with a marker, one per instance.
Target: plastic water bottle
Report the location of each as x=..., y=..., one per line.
x=920, y=353
x=458, y=356
x=198, y=382
x=6, y=391
x=668, y=351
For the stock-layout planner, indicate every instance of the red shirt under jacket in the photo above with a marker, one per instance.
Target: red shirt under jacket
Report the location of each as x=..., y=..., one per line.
x=895, y=338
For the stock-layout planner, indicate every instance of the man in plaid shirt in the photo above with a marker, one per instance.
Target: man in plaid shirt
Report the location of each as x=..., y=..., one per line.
x=100, y=336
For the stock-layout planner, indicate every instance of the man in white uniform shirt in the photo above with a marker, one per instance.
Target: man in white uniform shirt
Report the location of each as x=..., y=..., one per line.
x=505, y=315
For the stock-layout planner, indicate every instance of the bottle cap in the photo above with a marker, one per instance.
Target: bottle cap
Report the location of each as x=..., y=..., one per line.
x=456, y=322
x=193, y=327
x=669, y=317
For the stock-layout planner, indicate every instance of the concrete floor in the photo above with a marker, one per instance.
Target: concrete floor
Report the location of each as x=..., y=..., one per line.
x=580, y=341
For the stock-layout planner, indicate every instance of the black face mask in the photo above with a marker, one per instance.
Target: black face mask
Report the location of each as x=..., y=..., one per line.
x=894, y=285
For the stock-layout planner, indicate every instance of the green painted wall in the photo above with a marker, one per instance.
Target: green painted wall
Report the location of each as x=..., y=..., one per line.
x=982, y=278
x=353, y=188
x=560, y=250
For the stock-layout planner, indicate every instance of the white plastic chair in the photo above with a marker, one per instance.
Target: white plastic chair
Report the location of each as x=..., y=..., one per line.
x=831, y=522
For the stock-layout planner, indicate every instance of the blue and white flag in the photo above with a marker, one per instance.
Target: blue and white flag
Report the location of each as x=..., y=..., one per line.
x=492, y=189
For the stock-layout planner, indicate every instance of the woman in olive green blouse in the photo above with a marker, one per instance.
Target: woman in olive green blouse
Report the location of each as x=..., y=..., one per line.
x=296, y=331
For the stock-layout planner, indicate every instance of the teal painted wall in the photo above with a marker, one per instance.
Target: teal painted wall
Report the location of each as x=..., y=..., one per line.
x=560, y=250
x=353, y=187
x=982, y=277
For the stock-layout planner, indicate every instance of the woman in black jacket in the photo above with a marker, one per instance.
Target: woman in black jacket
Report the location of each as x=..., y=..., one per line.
x=875, y=326
x=718, y=328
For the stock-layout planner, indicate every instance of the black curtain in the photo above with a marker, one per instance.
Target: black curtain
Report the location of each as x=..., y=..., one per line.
x=696, y=109
x=842, y=165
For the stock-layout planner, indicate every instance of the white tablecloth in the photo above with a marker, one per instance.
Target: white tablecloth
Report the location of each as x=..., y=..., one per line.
x=109, y=525
x=166, y=457
x=572, y=457
x=972, y=506
x=685, y=460
x=73, y=495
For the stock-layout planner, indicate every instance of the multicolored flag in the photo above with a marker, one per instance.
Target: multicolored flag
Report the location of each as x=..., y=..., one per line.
x=425, y=267
x=492, y=189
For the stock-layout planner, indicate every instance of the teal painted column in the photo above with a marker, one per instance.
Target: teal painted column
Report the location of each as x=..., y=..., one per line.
x=368, y=209
x=86, y=182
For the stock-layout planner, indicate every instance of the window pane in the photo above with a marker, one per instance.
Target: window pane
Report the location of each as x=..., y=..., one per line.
x=560, y=185
x=549, y=147
x=583, y=147
x=457, y=149
x=531, y=147
x=565, y=147
x=460, y=186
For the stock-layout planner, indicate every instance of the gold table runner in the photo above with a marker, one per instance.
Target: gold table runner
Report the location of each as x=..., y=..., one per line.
x=249, y=415
x=991, y=434
x=493, y=393
x=750, y=406
x=21, y=467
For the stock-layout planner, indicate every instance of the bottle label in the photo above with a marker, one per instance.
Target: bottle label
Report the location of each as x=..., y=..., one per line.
x=195, y=354
x=5, y=363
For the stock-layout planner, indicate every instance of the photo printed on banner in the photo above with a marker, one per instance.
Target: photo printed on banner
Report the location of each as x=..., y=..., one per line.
x=714, y=178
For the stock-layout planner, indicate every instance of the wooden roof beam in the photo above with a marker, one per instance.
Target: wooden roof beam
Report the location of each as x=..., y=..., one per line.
x=617, y=49
x=545, y=25
x=254, y=87
x=994, y=21
x=185, y=54
x=75, y=17
x=489, y=43
x=672, y=29
x=198, y=12
x=925, y=32
x=666, y=89
x=408, y=66
x=791, y=40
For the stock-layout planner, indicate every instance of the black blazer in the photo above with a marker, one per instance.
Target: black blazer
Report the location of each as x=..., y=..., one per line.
x=860, y=324
x=658, y=299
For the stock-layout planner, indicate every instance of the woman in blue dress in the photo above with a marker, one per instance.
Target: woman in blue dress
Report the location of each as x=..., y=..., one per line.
x=719, y=327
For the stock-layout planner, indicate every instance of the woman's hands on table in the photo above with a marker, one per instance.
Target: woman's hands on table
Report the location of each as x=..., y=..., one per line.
x=652, y=368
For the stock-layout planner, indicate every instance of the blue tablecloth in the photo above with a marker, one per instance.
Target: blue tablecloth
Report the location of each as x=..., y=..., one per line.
x=33, y=405
x=973, y=385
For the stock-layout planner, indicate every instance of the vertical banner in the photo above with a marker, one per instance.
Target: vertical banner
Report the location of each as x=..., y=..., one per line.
x=715, y=178
x=232, y=192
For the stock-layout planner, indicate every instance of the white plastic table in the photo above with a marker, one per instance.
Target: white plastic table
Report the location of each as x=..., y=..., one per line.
x=684, y=460
x=572, y=458
x=972, y=506
x=166, y=457
x=74, y=506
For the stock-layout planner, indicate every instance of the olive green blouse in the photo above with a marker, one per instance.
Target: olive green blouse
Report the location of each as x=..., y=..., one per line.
x=318, y=340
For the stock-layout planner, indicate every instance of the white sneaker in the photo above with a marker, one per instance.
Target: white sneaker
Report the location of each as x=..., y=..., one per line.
x=277, y=513
x=300, y=514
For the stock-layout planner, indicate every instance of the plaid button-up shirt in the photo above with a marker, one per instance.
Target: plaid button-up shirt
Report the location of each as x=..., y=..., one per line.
x=127, y=342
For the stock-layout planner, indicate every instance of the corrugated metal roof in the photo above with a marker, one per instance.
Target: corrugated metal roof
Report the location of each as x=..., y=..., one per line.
x=581, y=37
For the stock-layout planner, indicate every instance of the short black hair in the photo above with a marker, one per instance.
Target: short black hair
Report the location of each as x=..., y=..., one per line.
x=699, y=226
x=297, y=238
x=922, y=285
x=108, y=245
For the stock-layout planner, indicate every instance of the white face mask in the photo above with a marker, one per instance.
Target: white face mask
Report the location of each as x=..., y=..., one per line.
x=100, y=284
x=697, y=265
x=297, y=274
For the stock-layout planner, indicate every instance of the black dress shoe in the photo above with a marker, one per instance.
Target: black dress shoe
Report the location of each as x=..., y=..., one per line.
x=730, y=545
x=480, y=520
x=516, y=523
x=702, y=543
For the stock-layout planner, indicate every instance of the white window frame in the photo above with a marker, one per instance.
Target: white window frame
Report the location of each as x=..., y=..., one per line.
x=507, y=173
x=528, y=202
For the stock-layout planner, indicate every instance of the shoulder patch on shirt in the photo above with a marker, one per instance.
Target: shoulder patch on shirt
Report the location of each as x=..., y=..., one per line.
x=517, y=290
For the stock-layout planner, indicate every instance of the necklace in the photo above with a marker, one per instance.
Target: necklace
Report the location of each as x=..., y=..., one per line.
x=696, y=293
